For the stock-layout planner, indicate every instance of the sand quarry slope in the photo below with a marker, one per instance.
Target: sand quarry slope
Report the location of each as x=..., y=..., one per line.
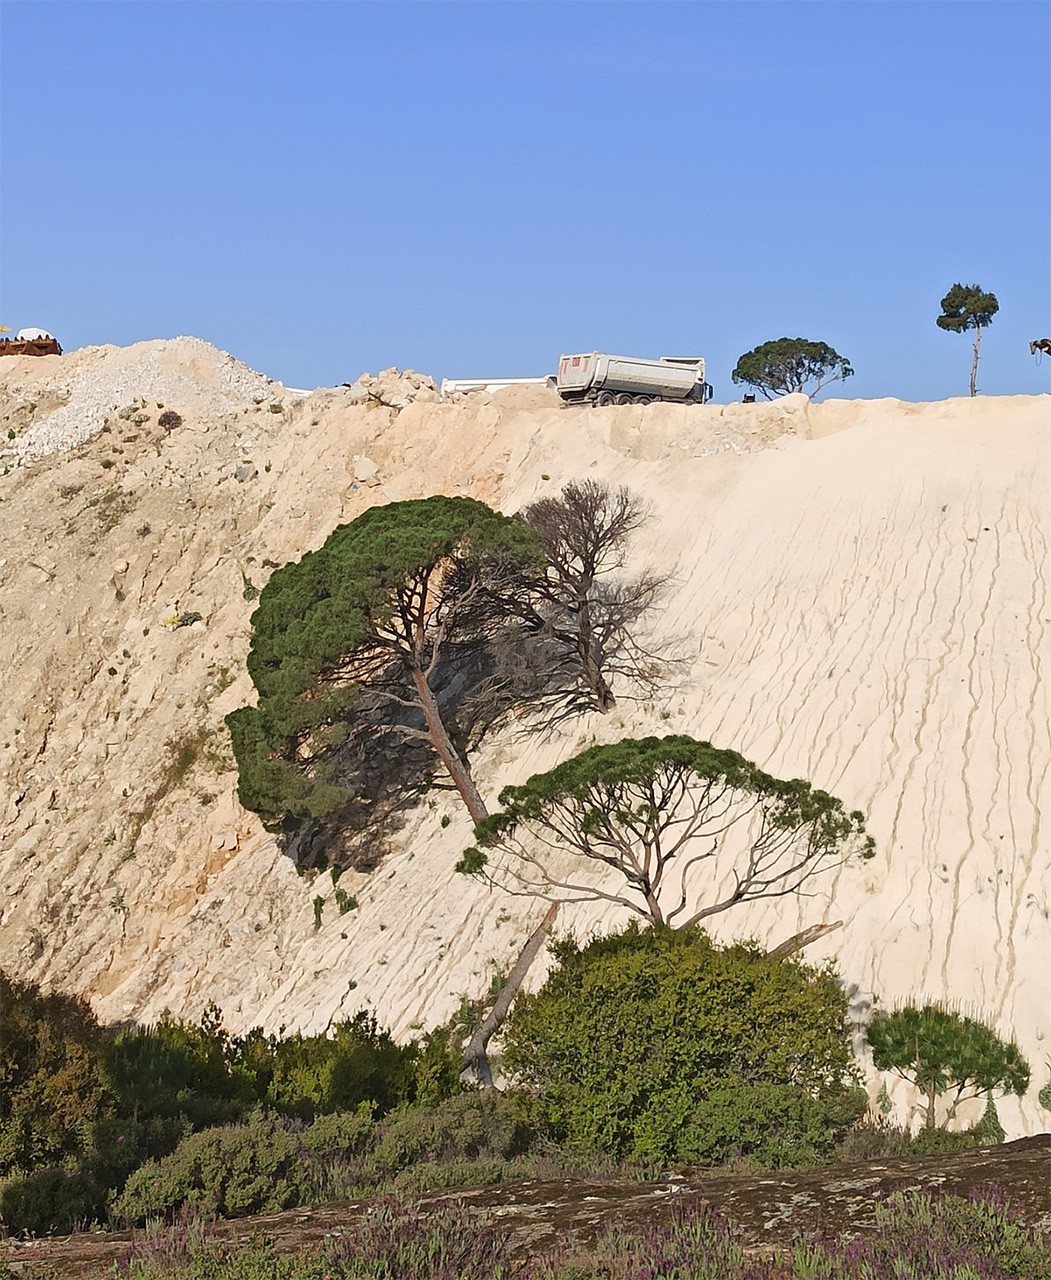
x=860, y=596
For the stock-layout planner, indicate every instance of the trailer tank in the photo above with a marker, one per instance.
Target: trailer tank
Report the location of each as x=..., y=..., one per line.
x=597, y=378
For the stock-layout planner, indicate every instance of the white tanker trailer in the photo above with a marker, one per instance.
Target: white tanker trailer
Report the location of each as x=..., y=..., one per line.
x=601, y=379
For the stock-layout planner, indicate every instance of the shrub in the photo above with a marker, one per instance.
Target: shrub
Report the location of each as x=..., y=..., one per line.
x=463, y=1128
x=50, y=1200
x=936, y=1142
x=873, y=1140
x=358, y=1062
x=437, y=1059
x=772, y=1126
x=421, y=1179
x=639, y=1038
x=229, y=1172
x=170, y=420
x=340, y=1134
x=178, y=1069
x=1045, y=1093
x=56, y=1082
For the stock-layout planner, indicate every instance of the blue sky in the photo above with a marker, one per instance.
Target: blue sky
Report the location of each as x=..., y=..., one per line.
x=470, y=189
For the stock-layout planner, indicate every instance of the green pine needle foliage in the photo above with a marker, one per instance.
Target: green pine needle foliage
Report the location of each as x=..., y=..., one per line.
x=967, y=306
x=942, y=1052
x=325, y=621
x=630, y=805
x=989, y=1131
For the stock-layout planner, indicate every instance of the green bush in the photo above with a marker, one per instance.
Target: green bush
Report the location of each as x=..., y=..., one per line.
x=467, y=1127
x=228, y=1172
x=870, y=1140
x=989, y=1131
x=771, y=1126
x=82, y=1108
x=50, y=1200
x=436, y=1062
x=179, y=1069
x=55, y=1083
x=639, y=1039
x=933, y=1142
x=357, y=1062
x=421, y=1179
x=340, y=1134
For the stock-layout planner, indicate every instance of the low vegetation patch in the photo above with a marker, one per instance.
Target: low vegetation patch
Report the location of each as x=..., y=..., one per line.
x=917, y=1236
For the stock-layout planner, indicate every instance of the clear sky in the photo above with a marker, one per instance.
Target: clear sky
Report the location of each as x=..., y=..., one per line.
x=470, y=189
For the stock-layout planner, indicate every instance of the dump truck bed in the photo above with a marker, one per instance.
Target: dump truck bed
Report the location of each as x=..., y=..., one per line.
x=667, y=378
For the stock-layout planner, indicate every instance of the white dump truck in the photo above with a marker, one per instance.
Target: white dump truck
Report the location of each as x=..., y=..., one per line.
x=601, y=379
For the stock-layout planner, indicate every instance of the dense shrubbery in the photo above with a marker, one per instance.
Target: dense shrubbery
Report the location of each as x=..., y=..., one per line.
x=61, y=1146
x=82, y=1107
x=56, y=1082
x=658, y=1044
x=464, y=1128
x=645, y=1047
x=358, y=1062
x=50, y=1200
x=269, y=1162
x=227, y=1172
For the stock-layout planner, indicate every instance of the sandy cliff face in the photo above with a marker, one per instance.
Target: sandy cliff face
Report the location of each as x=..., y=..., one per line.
x=861, y=594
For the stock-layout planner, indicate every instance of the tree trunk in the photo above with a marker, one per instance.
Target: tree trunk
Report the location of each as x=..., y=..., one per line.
x=593, y=677
x=447, y=753
x=475, y=1058
x=603, y=694
x=803, y=939
x=931, y=1096
x=656, y=915
x=974, y=362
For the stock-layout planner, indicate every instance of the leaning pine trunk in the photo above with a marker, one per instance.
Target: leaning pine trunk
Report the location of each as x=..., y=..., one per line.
x=974, y=362
x=475, y=1058
x=447, y=753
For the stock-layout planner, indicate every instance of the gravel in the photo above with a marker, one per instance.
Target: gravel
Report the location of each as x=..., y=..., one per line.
x=185, y=374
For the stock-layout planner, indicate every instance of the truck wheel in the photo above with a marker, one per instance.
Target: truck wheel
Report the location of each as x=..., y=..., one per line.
x=605, y=399
x=625, y=398
x=644, y=399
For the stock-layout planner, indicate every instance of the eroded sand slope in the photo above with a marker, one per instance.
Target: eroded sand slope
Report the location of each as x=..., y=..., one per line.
x=861, y=596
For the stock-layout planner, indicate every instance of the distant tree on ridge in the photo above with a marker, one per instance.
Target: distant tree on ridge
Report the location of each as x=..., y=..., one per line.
x=790, y=364
x=968, y=306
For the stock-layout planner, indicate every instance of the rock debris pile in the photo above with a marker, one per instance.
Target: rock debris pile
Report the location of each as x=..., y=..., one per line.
x=394, y=388
x=89, y=386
